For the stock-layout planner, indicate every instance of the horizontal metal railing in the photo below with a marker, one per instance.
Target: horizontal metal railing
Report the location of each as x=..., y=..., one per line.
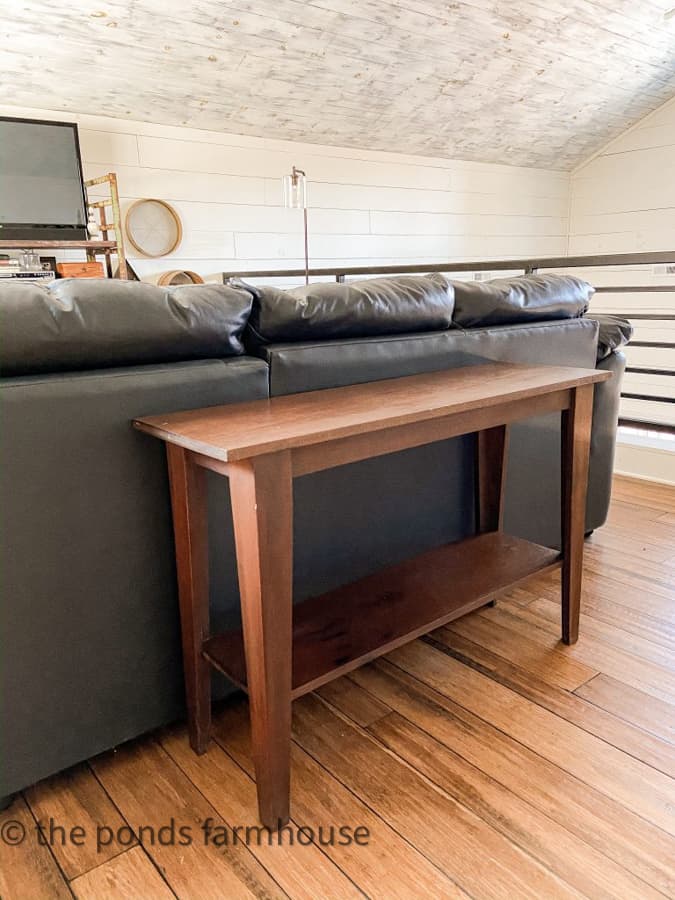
x=530, y=266
x=504, y=265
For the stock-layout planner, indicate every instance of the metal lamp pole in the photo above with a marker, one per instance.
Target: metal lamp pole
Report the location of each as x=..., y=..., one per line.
x=295, y=197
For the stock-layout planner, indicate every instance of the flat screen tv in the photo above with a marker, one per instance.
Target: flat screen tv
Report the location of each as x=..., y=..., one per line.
x=41, y=191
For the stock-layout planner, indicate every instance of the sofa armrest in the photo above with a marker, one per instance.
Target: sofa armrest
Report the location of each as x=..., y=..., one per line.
x=603, y=439
x=614, y=334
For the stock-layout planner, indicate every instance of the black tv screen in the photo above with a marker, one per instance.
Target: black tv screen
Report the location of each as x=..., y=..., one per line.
x=41, y=191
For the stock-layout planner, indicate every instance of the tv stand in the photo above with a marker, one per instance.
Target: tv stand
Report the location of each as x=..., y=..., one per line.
x=108, y=249
x=92, y=248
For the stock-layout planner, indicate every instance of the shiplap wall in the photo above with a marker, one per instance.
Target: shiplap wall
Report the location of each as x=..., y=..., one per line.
x=623, y=201
x=365, y=207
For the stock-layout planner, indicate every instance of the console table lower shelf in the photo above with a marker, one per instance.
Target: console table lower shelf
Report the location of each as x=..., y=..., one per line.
x=284, y=650
x=351, y=625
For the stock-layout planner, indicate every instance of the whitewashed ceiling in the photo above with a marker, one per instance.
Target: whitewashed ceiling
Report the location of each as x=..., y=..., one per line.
x=527, y=82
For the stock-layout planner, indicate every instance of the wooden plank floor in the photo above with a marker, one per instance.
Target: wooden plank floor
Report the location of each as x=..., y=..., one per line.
x=486, y=760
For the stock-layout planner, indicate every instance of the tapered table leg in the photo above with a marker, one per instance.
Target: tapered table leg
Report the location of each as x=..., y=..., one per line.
x=262, y=510
x=492, y=447
x=188, y=502
x=491, y=452
x=576, y=443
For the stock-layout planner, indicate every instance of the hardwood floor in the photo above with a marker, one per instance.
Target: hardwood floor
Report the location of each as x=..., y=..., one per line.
x=487, y=760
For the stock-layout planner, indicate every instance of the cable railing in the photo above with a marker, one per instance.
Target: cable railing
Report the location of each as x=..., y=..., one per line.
x=642, y=408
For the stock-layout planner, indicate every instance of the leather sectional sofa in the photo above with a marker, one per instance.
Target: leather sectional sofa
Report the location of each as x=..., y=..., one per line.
x=89, y=633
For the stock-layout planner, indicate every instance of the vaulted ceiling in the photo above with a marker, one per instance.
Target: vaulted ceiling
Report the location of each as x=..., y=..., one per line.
x=526, y=82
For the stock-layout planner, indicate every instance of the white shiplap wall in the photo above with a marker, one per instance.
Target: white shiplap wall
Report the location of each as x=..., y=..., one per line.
x=623, y=201
x=365, y=207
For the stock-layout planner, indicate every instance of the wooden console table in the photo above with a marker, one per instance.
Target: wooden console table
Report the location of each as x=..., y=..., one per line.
x=284, y=651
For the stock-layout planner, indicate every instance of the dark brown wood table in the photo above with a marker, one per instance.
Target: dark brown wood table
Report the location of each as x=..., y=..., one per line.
x=281, y=651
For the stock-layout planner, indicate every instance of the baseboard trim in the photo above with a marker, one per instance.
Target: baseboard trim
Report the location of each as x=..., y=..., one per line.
x=648, y=478
x=645, y=463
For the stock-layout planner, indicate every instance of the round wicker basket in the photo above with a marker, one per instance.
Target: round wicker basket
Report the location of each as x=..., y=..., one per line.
x=180, y=276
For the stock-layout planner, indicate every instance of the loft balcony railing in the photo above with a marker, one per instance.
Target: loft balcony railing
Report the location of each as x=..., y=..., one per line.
x=642, y=407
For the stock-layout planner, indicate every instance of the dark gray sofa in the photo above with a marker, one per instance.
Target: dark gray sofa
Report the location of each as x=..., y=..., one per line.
x=89, y=635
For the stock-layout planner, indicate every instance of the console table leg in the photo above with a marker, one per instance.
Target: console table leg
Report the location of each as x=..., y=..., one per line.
x=188, y=502
x=576, y=443
x=491, y=452
x=262, y=510
x=492, y=447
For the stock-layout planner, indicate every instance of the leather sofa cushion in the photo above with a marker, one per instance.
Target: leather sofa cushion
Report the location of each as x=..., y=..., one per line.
x=521, y=299
x=376, y=306
x=96, y=323
x=614, y=333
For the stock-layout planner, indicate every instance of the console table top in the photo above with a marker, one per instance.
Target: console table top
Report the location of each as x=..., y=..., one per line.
x=242, y=430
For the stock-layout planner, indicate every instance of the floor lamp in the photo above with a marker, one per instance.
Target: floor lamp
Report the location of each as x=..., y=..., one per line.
x=295, y=197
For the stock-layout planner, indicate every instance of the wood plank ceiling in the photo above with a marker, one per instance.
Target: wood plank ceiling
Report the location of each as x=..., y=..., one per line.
x=528, y=82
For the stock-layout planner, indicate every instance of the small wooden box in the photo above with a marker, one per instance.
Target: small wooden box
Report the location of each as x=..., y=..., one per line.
x=80, y=269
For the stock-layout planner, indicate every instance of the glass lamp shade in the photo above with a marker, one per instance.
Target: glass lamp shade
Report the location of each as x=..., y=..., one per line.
x=295, y=190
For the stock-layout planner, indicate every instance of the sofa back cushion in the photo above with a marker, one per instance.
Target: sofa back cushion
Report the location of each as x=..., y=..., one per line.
x=520, y=299
x=97, y=323
x=376, y=306
x=420, y=498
